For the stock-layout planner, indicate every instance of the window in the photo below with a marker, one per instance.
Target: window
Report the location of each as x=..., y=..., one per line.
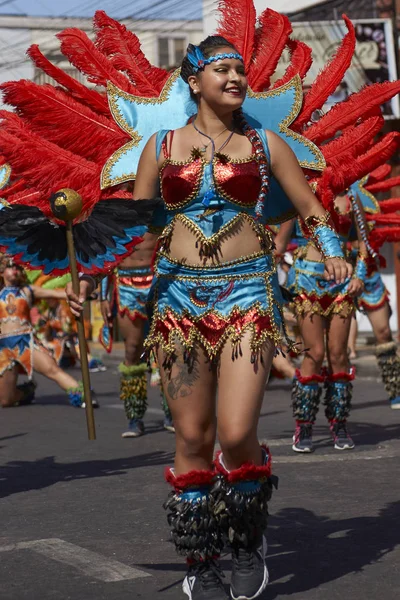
x=171, y=51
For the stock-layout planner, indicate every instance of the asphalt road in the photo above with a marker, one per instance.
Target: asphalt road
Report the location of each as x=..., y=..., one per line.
x=83, y=520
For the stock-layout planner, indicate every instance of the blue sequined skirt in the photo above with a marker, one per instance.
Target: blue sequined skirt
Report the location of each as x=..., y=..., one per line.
x=313, y=294
x=375, y=294
x=191, y=305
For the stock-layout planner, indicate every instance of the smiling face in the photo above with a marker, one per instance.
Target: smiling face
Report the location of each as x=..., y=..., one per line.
x=221, y=84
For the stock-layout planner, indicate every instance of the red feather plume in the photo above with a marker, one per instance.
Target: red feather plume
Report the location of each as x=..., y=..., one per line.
x=88, y=134
x=81, y=93
x=300, y=62
x=383, y=186
x=378, y=174
x=391, y=205
x=340, y=179
x=270, y=40
x=380, y=235
x=83, y=54
x=122, y=48
x=237, y=25
x=352, y=142
x=384, y=219
x=329, y=78
x=44, y=166
x=348, y=112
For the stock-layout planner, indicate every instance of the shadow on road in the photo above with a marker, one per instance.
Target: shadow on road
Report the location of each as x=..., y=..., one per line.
x=306, y=550
x=22, y=476
x=312, y=550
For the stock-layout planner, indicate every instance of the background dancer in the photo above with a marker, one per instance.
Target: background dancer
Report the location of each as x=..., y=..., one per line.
x=374, y=300
x=125, y=293
x=324, y=309
x=20, y=351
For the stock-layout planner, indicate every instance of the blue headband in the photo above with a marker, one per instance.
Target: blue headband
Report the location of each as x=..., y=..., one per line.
x=198, y=61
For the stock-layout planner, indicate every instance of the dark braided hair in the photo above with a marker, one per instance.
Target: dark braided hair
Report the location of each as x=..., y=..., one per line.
x=208, y=47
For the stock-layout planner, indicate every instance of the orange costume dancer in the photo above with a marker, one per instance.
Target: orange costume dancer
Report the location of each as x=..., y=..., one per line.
x=20, y=350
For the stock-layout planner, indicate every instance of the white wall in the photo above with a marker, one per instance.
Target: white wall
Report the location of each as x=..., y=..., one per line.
x=13, y=62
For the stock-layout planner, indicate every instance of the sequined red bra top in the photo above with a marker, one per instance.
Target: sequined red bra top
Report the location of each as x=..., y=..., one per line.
x=209, y=196
x=236, y=181
x=14, y=305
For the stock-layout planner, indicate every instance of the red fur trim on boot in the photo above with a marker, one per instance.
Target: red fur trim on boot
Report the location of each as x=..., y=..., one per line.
x=310, y=379
x=342, y=376
x=188, y=480
x=248, y=471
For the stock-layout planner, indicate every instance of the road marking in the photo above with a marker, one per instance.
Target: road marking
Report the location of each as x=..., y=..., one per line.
x=89, y=563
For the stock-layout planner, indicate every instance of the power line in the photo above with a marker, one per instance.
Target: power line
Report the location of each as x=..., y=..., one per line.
x=165, y=30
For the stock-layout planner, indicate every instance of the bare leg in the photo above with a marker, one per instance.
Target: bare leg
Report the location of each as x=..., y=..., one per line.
x=352, y=339
x=190, y=393
x=337, y=334
x=284, y=366
x=47, y=366
x=240, y=396
x=379, y=320
x=312, y=332
x=9, y=393
x=133, y=334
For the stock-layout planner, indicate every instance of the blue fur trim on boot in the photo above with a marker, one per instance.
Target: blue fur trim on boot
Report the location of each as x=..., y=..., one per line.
x=75, y=396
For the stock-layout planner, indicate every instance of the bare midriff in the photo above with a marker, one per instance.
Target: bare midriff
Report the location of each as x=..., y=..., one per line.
x=242, y=242
x=142, y=255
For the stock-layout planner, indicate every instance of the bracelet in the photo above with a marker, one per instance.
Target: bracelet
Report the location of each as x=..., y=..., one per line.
x=324, y=235
x=360, y=272
x=103, y=289
x=94, y=280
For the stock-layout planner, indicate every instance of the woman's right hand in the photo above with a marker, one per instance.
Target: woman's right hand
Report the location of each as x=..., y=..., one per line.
x=75, y=302
x=106, y=313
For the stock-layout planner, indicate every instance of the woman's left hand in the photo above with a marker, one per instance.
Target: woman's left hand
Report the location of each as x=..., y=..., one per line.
x=356, y=287
x=337, y=269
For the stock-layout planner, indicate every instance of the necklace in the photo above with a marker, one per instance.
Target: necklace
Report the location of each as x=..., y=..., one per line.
x=211, y=192
x=212, y=141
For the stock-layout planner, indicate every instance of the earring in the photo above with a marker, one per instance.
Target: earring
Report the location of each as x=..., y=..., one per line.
x=195, y=91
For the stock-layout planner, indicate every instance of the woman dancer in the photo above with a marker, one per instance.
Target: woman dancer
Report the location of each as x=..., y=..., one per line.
x=324, y=309
x=217, y=314
x=20, y=351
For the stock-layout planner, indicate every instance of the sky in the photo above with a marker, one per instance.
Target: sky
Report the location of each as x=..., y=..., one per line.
x=150, y=9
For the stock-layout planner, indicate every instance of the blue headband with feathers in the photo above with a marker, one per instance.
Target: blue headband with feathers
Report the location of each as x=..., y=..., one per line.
x=198, y=61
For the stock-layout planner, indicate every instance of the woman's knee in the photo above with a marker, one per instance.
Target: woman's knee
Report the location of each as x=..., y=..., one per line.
x=194, y=441
x=383, y=334
x=315, y=354
x=338, y=358
x=235, y=441
x=8, y=396
x=133, y=350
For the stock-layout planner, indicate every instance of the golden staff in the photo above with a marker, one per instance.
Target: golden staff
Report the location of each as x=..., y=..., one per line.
x=66, y=205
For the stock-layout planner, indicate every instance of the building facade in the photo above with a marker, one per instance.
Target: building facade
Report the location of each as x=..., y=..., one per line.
x=163, y=42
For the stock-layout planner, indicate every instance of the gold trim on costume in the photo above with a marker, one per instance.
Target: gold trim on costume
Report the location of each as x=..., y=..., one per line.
x=295, y=83
x=6, y=176
x=363, y=190
x=156, y=339
x=213, y=243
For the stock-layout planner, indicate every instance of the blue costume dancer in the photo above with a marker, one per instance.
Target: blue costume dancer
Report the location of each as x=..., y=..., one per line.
x=216, y=295
x=125, y=293
x=374, y=301
x=316, y=301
